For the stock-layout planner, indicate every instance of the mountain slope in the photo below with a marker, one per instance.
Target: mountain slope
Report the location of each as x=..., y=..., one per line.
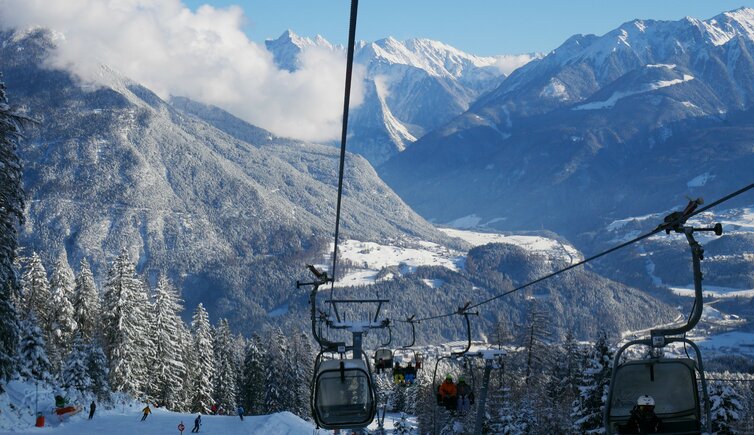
x=601, y=128
x=232, y=222
x=411, y=87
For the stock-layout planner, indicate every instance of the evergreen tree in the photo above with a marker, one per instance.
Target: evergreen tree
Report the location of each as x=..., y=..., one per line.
x=168, y=369
x=62, y=323
x=86, y=303
x=35, y=290
x=253, y=387
x=279, y=387
x=202, y=395
x=190, y=361
x=34, y=362
x=595, y=379
x=98, y=372
x=301, y=357
x=124, y=325
x=225, y=381
x=75, y=371
x=562, y=387
x=11, y=214
x=725, y=407
x=146, y=342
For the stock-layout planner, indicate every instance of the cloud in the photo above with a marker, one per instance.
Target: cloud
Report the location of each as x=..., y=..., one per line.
x=203, y=55
x=511, y=62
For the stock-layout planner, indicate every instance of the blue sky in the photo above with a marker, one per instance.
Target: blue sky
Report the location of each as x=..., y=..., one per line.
x=482, y=27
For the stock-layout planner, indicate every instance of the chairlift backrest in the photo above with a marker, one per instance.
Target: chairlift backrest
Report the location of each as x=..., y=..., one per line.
x=670, y=381
x=383, y=359
x=343, y=394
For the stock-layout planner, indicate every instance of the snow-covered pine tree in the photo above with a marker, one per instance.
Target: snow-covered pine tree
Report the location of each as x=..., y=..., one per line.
x=562, y=387
x=98, y=371
x=75, y=370
x=35, y=291
x=124, y=325
x=535, y=339
x=279, y=386
x=252, y=388
x=202, y=394
x=189, y=358
x=11, y=214
x=32, y=351
x=62, y=323
x=86, y=303
x=225, y=381
x=725, y=406
x=146, y=341
x=238, y=354
x=168, y=369
x=301, y=358
x=595, y=380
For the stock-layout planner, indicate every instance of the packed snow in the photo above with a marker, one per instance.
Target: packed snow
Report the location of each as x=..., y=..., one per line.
x=610, y=102
x=714, y=291
x=538, y=244
x=364, y=261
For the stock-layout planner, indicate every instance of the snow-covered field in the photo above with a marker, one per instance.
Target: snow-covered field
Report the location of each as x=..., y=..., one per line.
x=17, y=407
x=368, y=258
x=714, y=291
x=115, y=422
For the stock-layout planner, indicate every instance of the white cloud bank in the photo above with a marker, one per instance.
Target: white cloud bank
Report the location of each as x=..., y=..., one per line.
x=202, y=55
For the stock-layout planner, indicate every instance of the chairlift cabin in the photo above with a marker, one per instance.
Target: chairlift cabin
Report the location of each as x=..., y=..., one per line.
x=343, y=394
x=671, y=382
x=673, y=385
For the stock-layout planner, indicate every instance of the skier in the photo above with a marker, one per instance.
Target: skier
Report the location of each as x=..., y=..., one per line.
x=92, y=407
x=465, y=396
x=197, y=423
x=446, y=393
x=643, y=418
x=398, y=373
x=146, y=412
x=240, y=411
x=409, y=374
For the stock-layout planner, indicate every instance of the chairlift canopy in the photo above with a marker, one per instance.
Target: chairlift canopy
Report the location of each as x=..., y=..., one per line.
x=672, y=384
x=343, y=394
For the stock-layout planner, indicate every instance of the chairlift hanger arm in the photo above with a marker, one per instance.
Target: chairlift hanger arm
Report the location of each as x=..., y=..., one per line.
x=411, y=321
x=465, y=312
x=697, y=255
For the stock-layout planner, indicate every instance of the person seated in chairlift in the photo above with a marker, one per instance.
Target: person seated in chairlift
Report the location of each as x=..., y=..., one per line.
x=643, y=418
x=409, y=374
x=446, y=394
x=398, y=373
x=465, y=396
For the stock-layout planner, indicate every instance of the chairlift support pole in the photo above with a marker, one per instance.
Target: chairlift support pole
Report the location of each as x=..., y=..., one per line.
x=489, y=364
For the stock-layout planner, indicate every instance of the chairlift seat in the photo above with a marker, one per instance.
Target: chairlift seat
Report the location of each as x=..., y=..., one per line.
x=670, y=381
x=383, y=359
x=343, y=394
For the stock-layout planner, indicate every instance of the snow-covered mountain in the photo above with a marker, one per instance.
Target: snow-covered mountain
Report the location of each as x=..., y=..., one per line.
x=602, y=128
x=231, y=215
x=411, y=87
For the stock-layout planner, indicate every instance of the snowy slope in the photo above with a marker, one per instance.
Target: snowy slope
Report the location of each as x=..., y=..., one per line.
x=366, y=259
